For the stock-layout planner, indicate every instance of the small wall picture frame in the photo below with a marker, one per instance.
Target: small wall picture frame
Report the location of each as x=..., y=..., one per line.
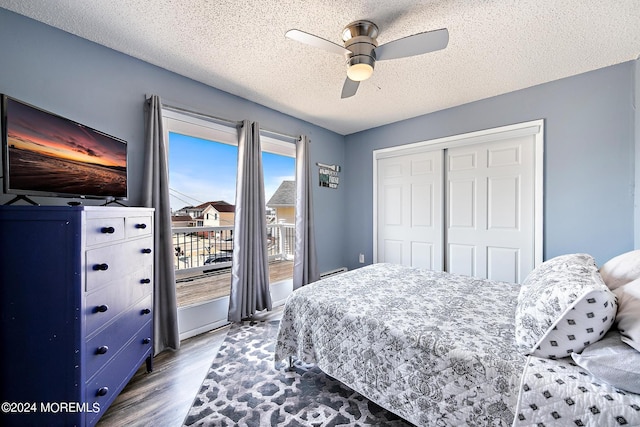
x=328, y=175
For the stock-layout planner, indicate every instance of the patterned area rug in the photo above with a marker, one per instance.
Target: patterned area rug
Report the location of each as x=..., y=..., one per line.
x=245, y=388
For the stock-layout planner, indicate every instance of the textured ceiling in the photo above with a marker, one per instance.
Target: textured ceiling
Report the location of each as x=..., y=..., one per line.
x=495, y=46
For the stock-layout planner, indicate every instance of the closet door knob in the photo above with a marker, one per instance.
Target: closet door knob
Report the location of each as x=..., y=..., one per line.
x=146, y=341
x=102, y=308
x=145, y=311
x=102, y=391
x=102, y=349
x=141, y=226
x=146, y=251
x=108, y=230
x=145, y=281
x=101, y=267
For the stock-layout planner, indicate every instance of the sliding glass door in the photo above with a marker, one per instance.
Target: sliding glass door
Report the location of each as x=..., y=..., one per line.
x=202, y=177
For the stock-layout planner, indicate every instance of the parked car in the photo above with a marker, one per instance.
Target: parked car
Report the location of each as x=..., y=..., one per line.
x=214, y=259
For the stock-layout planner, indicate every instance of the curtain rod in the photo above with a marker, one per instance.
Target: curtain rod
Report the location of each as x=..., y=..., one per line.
x=279, y=135
x=218, y=120
x=228, y=122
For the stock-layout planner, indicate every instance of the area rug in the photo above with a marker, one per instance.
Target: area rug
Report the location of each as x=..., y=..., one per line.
x=245, y=388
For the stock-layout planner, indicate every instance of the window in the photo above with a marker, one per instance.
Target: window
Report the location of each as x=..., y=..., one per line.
x=202, y=180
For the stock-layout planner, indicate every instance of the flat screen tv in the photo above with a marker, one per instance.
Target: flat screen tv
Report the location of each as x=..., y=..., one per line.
x=48, y=155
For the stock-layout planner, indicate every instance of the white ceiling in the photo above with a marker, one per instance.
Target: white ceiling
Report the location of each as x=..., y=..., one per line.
x=495, y=47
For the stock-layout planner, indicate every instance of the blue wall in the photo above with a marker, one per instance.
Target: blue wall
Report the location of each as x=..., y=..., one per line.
x=589, y=135
x=589, y=159
x=105, y=90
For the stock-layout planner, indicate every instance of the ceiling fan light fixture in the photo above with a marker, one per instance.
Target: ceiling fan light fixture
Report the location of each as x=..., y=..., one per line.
x=359, y=72
x=360, y=67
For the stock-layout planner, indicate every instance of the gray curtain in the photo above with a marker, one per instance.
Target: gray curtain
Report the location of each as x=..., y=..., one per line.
x=250, y=268
x=155, y=194
x=305, y=265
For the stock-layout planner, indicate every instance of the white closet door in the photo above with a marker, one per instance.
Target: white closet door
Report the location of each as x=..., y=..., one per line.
x=490, y=209
x=410, y=224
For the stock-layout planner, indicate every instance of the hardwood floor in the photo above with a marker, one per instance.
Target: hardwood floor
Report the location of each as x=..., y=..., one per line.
x=164, y=396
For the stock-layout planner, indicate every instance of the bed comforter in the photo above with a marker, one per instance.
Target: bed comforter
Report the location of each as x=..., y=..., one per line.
x=434, y=348
x=559, y=393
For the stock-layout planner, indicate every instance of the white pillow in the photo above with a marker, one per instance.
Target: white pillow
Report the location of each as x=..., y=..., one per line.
x=563, y=306
x=621, y=269
x=628, y=317
x=612, y=361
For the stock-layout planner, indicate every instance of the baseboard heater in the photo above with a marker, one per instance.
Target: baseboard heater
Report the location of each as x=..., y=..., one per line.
x=333, y=272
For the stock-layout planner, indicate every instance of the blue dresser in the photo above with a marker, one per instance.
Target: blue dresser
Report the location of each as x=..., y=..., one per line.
x=76, y=300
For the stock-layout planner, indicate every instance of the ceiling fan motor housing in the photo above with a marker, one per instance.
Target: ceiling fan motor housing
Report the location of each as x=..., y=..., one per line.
x=360, y=39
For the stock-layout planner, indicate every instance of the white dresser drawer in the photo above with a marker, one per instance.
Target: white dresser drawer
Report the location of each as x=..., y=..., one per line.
x=139, y=225
x=105, y=230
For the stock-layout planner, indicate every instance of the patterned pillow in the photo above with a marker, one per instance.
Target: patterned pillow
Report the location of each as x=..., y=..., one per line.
x=563, y=306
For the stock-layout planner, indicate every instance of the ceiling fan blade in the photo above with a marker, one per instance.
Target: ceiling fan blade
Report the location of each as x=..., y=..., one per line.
x=416, y=44
x=349, y=88
x=316, y=41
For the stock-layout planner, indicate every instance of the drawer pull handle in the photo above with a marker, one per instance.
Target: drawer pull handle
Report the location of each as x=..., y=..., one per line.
x=102, y=349
x=141, y=226
x=102, y=308
x=101, y=267
x=145, y=281
x=108, y=230
x=146, y=251
x=146, y=311
x=146, y=341
x=102, y=391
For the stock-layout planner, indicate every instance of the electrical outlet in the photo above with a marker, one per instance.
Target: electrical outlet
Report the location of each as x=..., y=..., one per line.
x=361, y=258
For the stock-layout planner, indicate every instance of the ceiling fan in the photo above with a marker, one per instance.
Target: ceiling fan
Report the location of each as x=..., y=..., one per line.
x=361, y=49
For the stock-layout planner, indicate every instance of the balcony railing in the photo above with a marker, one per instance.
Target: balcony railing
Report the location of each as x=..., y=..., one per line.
x=199, y=249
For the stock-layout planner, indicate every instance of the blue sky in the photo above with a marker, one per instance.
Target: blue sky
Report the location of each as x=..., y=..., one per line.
x=205, y=171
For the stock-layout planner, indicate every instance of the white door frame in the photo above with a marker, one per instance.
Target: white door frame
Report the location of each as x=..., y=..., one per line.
x=534, y=128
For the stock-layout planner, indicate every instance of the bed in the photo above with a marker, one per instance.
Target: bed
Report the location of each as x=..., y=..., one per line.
x=443, y=349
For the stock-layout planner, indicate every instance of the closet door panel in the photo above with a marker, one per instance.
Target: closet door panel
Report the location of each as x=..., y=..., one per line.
x=393, y=251
x=462, y=259
x=503, y=264
x=422, y=255
x=496, y=216
x=409, y=208
x=462, y=203
x=422, y=205
x=504, y=203
x=393, y=205
x=469, y=204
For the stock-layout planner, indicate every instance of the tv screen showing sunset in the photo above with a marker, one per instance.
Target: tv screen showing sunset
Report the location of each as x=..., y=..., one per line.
x=48, y=154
